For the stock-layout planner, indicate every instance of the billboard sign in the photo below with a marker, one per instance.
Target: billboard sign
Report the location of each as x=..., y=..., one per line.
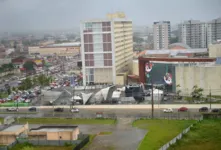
x=168, y=78
x=148, y=67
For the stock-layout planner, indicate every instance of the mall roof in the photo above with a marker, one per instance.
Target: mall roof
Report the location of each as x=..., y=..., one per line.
x=173, y=59
x=175, y=52
x=53, y=128
x=64, y=44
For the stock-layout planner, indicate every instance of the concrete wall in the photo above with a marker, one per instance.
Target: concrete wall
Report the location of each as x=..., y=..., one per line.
x=135, y=68
x=206, y=77
x=75, y=134
x=215, y=50
x=7, y=139
x=103, y=75
x=120, y=80
x=63, y=135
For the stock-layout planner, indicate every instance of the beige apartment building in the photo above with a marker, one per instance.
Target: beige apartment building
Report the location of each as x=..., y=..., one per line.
x=107, y=49
x=161, y=34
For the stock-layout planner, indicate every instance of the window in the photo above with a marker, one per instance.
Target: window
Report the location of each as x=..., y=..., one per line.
x=107, y=37
x=108, y=59
x=107, y=47
x=88, y=38
x=88, y=47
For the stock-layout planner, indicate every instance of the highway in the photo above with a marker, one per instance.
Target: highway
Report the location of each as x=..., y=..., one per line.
x=193, y=113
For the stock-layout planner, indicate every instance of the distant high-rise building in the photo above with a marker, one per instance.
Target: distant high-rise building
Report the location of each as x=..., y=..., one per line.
x=193, y=33
x=107, y=49
x=161, y=34
x=213, y=31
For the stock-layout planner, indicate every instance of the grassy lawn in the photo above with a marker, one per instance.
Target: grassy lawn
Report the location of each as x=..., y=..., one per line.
x=65, y=121
x=204, y=136
x=30, y=147
x=105, y=133
x=18, y=112
x=90, y=141
x=159, y=132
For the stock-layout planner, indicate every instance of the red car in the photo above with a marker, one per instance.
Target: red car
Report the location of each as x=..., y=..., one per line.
x=182, y=109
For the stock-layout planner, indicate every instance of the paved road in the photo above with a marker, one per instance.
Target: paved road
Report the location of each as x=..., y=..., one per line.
x=110, y=113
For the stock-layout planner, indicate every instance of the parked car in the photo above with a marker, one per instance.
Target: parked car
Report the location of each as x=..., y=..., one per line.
x=12, y=109
x=59, y=109
x=74, y=110
x=32, y=109
x=216, y=110
x=183, y=109
x=165, y=98
x=168, y=110
x=204, y=109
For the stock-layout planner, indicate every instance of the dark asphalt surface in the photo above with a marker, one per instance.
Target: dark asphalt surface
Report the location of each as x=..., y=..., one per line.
x=110, y=113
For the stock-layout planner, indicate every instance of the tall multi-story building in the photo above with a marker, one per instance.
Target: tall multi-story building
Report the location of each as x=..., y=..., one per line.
x=161, y=34
x=213, y=31
x=107, y=49
x=193, y=33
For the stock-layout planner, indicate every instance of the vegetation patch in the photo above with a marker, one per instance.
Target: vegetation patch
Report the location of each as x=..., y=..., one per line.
x=205, y=135
x=105, y=133
x=65, y=121
x=91, y=138
x=27, y=146
x=159, y=132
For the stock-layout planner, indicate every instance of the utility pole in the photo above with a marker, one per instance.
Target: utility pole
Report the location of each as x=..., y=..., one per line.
x=152, y=114
x=210, y=98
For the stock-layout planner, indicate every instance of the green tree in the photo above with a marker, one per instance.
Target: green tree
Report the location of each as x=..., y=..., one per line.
x=27, y=83
x=29, y=65
x=178, y=92
x=173, y=40
x=13, y=88
x=10, y=67
x=9, y=91
x=197, y=93
x=44, y=80
x=137, y=39
x=35, y=81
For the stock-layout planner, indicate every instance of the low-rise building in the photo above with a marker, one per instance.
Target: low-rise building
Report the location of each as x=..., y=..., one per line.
x=63, y=49
x=54, y=133
x=9, y=135
x=48, y=133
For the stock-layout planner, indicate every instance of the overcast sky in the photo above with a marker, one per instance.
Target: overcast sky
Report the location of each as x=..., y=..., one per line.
x=22, y=15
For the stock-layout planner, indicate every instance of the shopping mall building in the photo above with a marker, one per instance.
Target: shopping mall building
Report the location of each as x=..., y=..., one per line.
x=184, y=67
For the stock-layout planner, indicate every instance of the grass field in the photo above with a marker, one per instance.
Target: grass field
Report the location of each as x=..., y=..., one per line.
x=105, y=133
x=204, y=136
x=159, y=132
x=30, y=147
x=90, y=141
x=18, y=113
x=65, y=121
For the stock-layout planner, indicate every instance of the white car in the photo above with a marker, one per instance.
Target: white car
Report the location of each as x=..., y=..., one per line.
x=168, y=110
x=74, y=110
x=12, y=109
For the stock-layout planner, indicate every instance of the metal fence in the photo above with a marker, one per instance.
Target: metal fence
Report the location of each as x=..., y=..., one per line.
x=6, y=147
x=126, y=114
x=49, y=142
x=178, y=137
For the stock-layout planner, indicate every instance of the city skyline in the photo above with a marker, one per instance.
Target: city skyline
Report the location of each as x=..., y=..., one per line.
x=22, y=15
